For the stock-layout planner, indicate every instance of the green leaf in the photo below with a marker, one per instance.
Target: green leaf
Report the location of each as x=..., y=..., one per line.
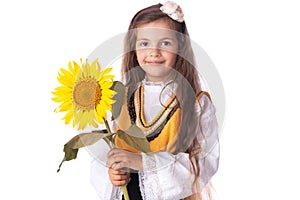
x=135, y=138
x=119, y=97
x=81, y=140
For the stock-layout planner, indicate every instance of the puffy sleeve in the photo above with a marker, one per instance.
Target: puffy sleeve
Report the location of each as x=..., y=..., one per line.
x=167, y=176
x=209, y=156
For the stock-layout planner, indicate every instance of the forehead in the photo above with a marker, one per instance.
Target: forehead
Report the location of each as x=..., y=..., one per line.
x=155, y=30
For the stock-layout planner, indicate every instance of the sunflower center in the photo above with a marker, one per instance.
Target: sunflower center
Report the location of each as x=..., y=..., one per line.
x=87, y=94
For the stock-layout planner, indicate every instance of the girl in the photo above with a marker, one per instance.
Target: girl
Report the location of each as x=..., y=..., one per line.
x=164, y=98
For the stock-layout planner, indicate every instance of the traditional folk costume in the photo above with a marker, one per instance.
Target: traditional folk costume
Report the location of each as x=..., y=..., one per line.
x=165, y=175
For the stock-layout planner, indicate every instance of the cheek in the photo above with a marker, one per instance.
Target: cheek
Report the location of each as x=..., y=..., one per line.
x=172, y=58
x=140, y=55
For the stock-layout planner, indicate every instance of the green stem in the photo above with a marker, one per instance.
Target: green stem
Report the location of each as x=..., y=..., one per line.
x=125, y=193
x=123, y=187
x=107, y=126
x=108, y=140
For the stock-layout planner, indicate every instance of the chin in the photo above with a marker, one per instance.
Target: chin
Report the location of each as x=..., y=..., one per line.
x=158, y=67
x=156, y=70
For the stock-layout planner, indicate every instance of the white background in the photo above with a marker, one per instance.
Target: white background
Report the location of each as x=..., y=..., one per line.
x=255, y=46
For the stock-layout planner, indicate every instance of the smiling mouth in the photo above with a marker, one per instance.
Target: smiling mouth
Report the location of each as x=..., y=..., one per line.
x=154, y=62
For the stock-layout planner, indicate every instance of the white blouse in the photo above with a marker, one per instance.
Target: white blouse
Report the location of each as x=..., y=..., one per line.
x=165, y=176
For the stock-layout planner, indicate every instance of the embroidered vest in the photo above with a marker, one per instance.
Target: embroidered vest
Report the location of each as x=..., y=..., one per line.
x=161, y=132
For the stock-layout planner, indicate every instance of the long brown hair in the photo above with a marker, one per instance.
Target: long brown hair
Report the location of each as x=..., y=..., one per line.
x=188, y=81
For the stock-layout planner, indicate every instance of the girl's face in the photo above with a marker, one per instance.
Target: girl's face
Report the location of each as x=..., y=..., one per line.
x=156, y=49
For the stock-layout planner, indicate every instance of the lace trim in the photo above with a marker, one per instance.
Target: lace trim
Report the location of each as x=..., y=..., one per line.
x=142, y=185
x=149, y=163
x=160, y=83
x=107, y=193
x=149, y=182
x=116, y=194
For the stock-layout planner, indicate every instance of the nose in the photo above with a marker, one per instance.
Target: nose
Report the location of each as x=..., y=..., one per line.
x=154, y=52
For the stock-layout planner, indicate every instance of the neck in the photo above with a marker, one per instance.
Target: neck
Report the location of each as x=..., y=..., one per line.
x=164, y=79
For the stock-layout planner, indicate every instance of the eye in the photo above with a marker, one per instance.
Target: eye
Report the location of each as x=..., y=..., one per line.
x=166, y=43
x=143, y=44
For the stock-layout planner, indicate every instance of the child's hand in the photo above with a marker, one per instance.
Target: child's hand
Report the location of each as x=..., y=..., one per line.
x=118, y=177
x=119, y=159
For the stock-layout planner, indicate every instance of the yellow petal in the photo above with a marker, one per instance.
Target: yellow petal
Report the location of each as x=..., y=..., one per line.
x=82, y=123
x=107, y=78
x=65, y=106
x=73, y=67
x=107, y=100
x=108, y=92
x=61, y=99
x=63, y=89
x=77, y=116
x=94, y=67
x=93, y=123
x=106, y=71
x=68, y=117
x=64, y=80
x=106, y=84
x=101, y=113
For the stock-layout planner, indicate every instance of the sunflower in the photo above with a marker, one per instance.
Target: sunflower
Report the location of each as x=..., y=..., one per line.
x=85, y=93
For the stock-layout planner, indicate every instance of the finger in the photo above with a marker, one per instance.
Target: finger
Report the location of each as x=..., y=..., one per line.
x=111, y=160
x=120, y=166
x=125, y=169
x=120, y=183
x=110, y=153
x=118, y=177
x=119, y=180
x=114, y=158
x=116, y=166
x=117, y=172
x=118, y=161
x=113, y=152
x=117, y=151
